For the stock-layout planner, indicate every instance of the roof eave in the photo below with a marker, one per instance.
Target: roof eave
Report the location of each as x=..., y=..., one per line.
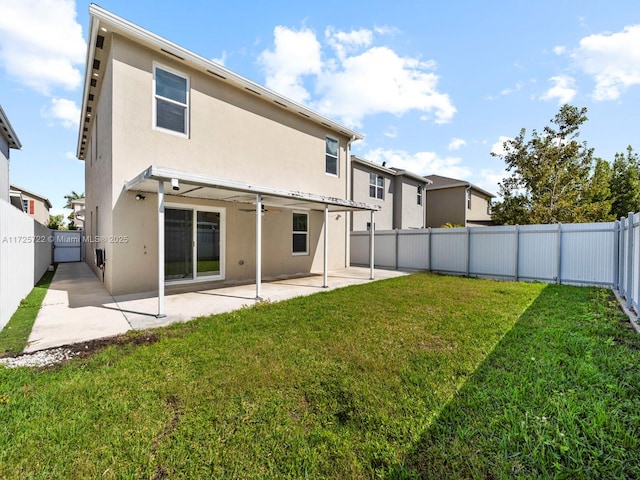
x=12, y=137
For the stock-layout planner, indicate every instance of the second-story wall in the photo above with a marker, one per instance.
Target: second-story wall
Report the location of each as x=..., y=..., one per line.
x=408, y=214
x=479, y=211
x=361, y=193
x=232, y=134
x=446, y=205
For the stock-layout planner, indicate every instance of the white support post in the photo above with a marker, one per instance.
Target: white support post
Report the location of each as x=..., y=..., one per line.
x=258, y=246
x=160, y=249
x=325, y=279
x=371, y=246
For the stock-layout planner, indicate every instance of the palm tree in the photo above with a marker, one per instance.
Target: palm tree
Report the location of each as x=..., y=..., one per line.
x=71, y=197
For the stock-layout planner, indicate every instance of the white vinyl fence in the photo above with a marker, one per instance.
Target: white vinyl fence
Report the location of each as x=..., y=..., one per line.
x=25, y=254
x=575, y=254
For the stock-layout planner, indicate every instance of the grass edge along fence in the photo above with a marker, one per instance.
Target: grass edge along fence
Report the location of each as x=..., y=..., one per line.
x=603, y=254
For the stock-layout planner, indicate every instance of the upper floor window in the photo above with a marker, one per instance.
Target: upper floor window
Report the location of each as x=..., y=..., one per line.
x=376, y=186
x=171, y=106
x=331, y=157
x=469, y=198
x=25, y=206
x=419, y=194
x=488, y=206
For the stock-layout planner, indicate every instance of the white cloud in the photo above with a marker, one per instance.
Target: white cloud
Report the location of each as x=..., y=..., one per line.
x=421, y=163
x=498, y=147
x=70, y=155
x=221, y=60
x=559, y=50
x=563, y=89
x=62, y=111
x=613, y=60
x=391, y=132
x=359, y=80
x=41, y=43
x=456, y=143
x=296, y=53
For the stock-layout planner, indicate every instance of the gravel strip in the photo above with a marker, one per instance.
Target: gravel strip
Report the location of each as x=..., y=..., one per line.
x=43, y=358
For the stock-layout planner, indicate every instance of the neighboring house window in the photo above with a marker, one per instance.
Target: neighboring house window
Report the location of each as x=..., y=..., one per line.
x=25, y=206
x=300, y=234
x=171, y=92
x=469, y=199
x=376, y=186
x=419, y=194
x=331, y=157
x=488, y=206
x=368, y=226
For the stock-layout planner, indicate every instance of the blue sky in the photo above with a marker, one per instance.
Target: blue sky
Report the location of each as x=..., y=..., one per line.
x=434, y=86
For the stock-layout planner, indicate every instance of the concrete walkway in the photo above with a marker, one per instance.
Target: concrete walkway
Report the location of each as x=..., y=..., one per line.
x=78, y=307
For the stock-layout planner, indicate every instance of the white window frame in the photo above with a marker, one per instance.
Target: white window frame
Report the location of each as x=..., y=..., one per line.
x=469, y=199
x=420, y=195
x=299, y=232
x=328, y=137
x=377, y=188
x=155, y=97
x=223, y=243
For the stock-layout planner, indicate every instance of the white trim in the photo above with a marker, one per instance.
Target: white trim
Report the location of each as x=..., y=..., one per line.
x=194, y=208
x=155, y=97
x=337, y=174
x=299, y=232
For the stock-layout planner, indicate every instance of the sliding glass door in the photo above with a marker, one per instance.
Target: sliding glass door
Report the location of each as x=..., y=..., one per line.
x=194, y=241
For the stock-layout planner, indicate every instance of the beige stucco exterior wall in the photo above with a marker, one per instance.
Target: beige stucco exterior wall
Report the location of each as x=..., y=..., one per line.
x=40, y=211
x=478, y=211
x=446, y=205
x=360, y=184
x=409, y=214
x=98, y=182
x=234, y=135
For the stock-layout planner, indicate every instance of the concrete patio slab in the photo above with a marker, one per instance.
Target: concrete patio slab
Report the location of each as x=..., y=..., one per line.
x=78, y=307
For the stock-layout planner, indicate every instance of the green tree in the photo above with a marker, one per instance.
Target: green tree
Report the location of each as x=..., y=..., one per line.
x=625, y=184
x=56, y=222
x=554, y=177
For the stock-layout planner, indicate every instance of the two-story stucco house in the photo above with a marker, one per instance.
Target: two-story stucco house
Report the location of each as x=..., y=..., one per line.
x=8, y=140
x=34, y=205
x=457, y=202
x=399, y=193
x=194, y=173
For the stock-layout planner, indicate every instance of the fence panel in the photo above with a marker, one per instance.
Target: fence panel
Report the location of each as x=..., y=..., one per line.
x=449, y=250
x=493, y=252
x=587, y=254
x=413, y=249
x=538, y=253
x=25, y=254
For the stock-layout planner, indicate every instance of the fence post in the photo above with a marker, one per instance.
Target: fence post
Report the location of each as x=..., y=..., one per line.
x=429, y=249
x=516, y=255
x=616, y=255
x=397, y=245
x=559, y=268
x=629, y=289
x=468, y=249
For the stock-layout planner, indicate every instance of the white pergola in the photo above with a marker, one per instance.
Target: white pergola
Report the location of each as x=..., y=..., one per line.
x=197, y=186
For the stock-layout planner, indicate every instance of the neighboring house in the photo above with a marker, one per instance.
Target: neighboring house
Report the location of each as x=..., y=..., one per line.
x=77, y=205
x=457, y=202
x=194, y=173
x=399, y=193
x=34, y=205
x=8, y=140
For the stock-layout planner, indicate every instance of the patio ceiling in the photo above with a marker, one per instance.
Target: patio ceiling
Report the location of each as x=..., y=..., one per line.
x=193, y=185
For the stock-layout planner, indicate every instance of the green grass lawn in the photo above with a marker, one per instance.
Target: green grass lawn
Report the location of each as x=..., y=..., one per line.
x=14, y=335
x=423, y=376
